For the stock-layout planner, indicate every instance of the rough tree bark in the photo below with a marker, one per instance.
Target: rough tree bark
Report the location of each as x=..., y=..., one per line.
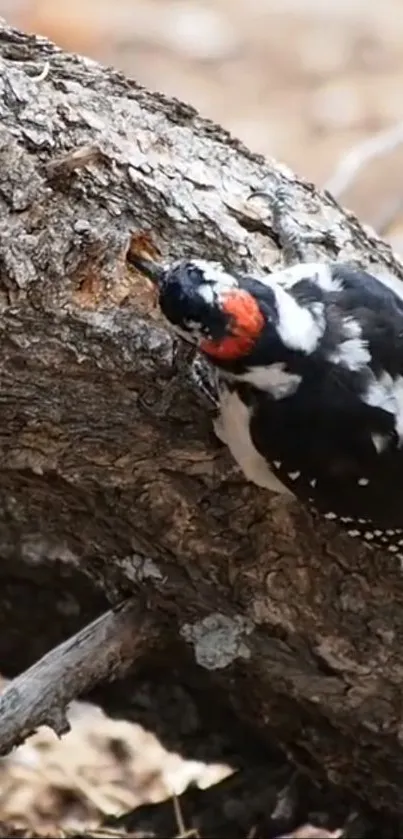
x=111, y=480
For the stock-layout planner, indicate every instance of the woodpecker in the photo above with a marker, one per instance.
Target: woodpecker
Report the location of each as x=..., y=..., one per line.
x=310, y=379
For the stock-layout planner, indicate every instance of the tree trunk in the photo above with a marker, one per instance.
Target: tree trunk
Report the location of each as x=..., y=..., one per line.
x=112, y=483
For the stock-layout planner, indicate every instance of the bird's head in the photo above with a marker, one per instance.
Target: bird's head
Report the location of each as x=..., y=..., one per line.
x=208, y=307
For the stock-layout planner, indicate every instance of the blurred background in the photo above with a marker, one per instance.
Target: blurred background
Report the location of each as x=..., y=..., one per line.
x=301, y=80
x=317, y=84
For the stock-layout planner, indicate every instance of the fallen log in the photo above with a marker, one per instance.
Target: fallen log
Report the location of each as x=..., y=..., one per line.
x=112, y=483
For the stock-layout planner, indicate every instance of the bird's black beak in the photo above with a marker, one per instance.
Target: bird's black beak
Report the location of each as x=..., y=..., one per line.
x=152, y=270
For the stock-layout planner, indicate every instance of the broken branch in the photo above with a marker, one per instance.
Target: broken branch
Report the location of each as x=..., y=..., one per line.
x=104, y=650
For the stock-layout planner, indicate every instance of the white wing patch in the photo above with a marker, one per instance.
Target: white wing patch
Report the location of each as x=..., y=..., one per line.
x=273, y=378
x=206, y=291
x=232, y=428
x=352, y=351
x=386, y=392
x=215, y=274
x=319, y=273
x=380, y=442
x=299, y=327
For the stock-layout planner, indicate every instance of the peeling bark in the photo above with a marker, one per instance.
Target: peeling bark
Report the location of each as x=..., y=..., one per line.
x=111, y=480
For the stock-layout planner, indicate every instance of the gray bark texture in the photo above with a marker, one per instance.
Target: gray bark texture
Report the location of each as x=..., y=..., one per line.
x=111, y=481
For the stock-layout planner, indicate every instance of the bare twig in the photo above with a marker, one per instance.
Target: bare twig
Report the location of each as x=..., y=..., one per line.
x=43, y=74
x=183, y=833
x=104, y=649
x=362, y=154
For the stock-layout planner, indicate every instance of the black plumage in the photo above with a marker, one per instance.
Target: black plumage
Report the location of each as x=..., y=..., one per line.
x=322, y=381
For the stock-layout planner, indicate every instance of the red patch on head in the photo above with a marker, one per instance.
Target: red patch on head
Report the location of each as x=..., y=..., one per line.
x=247, y=324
